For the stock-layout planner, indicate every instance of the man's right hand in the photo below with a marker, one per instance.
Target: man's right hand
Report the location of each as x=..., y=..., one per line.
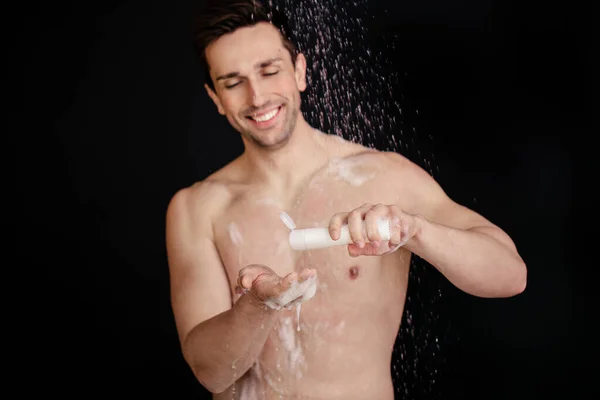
x=265, y=284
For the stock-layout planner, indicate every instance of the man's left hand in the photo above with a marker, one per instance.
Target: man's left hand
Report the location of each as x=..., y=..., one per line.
x=362, y=226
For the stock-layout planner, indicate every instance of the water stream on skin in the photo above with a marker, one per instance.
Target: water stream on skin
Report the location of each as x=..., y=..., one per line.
x=298, y=308
x=355, y=92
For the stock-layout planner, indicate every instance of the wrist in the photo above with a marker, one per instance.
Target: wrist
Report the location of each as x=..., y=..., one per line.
x=251, y=307
x=419, y=226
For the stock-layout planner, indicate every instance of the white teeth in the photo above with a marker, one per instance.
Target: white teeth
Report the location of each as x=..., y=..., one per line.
x=266, y=117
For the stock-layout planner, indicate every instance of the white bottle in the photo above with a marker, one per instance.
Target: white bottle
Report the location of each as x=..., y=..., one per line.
x=319, y=238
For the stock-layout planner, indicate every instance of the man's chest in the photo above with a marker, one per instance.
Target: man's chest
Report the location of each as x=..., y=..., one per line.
x=252, y=232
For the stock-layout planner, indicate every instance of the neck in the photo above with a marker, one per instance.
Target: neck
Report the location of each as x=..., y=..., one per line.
x=288, y=165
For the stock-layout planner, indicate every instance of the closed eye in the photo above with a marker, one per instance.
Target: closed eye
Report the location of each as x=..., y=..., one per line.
x=232, y=86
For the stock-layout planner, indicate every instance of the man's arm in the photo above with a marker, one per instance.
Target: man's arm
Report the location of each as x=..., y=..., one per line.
x=475, y=255
x=219, y=341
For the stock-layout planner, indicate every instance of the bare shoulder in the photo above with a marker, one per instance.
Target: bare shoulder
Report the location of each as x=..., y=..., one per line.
x=390, y=166
x=419, y=193
x=392, y=163
x=407, y=170
x=204, y=200
x=345, y=150
x=414, y=181
x=208, y=193
x=404, y=181
x=194, y=208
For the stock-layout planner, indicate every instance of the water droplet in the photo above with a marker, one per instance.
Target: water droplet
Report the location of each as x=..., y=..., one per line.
x=356, y=92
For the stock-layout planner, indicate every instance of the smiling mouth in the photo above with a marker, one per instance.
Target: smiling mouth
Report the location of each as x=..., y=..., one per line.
x=265, y=117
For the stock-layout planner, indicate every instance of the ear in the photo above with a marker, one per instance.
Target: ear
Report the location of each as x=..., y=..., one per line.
x=215, y=99
x=300, y=72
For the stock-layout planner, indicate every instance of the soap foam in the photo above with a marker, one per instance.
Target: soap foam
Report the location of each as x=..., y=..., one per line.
x=234, y=234
x=290, y=343
x=267, y=201
x=305, y=289
x=251, y=387
x=351, y=171
x=298, y=308
x=395, y=225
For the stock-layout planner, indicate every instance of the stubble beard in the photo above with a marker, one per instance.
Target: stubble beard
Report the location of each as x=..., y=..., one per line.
x=284, y=136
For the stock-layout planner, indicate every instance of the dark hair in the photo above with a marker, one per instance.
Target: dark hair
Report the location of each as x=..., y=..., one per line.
x=220, y=17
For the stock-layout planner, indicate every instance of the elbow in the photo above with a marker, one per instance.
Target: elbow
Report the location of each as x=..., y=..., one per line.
x=206, y=375
x=518, y=282
x=209, y=381
x=522, y=278
x=511, y=284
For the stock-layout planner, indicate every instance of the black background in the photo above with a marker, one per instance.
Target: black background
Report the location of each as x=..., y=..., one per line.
x=112, y=120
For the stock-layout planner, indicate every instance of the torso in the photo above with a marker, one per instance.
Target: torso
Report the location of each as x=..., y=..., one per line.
x=347, y=330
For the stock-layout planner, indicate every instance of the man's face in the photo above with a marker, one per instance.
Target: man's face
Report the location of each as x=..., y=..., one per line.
x=257, y=87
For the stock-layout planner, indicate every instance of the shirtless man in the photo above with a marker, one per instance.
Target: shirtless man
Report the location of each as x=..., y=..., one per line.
x=229, y=254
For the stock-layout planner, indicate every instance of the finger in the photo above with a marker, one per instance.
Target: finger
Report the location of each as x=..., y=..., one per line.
x=372, y=217
x=370, y=250
x=406, y=230
x=307, y=273
x=367, y=250
x=356, y=224
x=246, y=277
x=354, y=251
x=392, y=249
x=240, y=290
x=284, y=284
x=248, y=274
x=335, y=225
x=287, y=280
x=396, y=227
x=264, y=286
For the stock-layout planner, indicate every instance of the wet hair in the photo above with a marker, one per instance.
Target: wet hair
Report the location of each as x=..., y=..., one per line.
x=220, y=17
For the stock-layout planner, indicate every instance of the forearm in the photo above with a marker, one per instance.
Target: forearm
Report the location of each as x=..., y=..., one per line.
x=480, y=261
x=220, y=350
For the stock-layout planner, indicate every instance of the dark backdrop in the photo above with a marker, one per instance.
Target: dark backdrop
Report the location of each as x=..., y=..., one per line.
x=113, y=120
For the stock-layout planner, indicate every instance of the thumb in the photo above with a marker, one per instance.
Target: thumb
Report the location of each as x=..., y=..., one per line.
x=367, y=250
x=248, y=275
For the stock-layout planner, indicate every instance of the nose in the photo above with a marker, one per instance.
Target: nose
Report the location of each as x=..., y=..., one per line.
x=256, y=95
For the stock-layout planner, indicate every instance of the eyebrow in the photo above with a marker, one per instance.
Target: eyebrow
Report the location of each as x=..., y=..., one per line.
x=258, y=65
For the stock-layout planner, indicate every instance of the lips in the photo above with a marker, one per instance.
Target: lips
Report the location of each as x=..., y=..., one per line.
x=265, y=119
